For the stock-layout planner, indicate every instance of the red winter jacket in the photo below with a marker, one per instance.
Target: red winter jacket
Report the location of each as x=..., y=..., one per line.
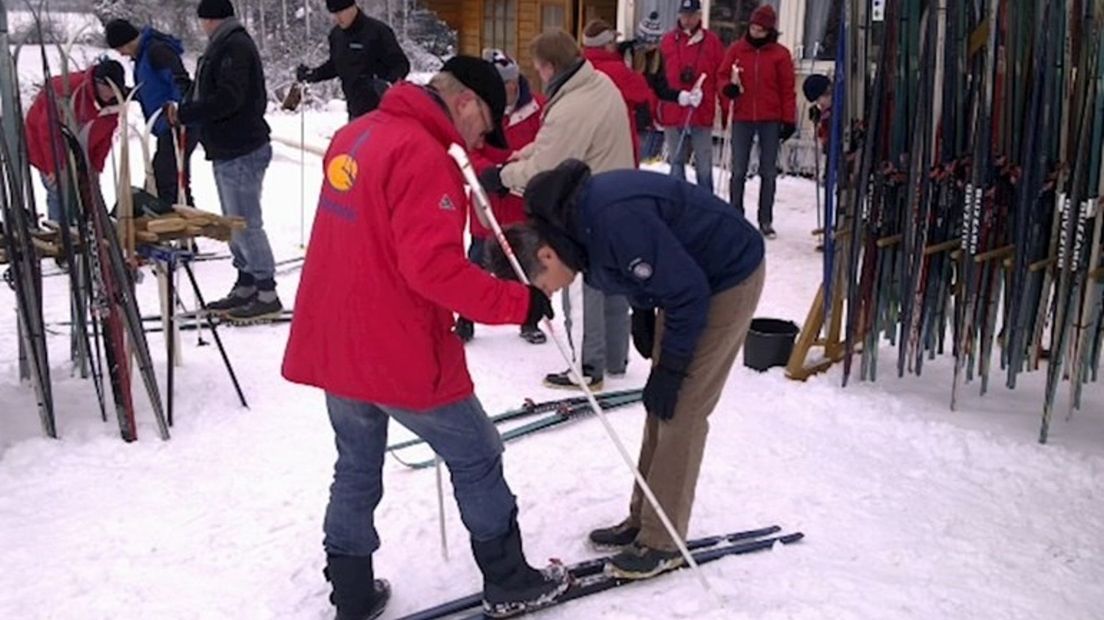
x=701, y=52
x=82, y=93
x=634, y=88
x=768, y=81
x=386, y=269
x=521, y=126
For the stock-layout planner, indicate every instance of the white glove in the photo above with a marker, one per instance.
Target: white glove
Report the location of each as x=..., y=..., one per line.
x=692, y=98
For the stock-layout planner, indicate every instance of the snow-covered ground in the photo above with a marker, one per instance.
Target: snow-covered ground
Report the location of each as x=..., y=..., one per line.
x=910, y=510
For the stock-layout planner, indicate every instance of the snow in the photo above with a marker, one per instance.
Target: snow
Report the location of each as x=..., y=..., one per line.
x=910, y=510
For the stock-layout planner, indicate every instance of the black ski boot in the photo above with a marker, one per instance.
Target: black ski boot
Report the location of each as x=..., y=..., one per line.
x=245, y=289
x=767, y=230
x=533, y=334
x=616, y=537
x=638, y=561
x=350, y=575
x=510, y=585
x=565, y=381
x=264, y=305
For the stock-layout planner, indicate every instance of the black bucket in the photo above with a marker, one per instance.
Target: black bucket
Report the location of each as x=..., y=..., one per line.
x=769, y=343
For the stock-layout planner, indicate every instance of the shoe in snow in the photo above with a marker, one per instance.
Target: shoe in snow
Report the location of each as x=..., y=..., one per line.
x=348, y=575
x=543, y=588
x=641, y=562
x=264, y=306
x=244, y=291
x=564, y=380
x=465, y=329
x=767, y=230
x=533, y=335
x=616, y=537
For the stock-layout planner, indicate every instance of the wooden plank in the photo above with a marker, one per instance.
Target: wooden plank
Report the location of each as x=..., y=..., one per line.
x=1043, y=264
x=1097, y=274
x=886, y=242
x=807, y=339
x=952, y=244
x=994, y=254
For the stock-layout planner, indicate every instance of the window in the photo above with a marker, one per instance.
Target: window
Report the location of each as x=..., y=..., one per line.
x=500, y=25
x=553, y=15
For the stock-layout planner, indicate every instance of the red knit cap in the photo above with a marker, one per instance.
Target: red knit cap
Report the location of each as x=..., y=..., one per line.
x=765, y=17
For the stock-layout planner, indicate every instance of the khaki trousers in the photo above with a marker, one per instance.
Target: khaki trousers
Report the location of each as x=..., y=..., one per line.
x=671, y=454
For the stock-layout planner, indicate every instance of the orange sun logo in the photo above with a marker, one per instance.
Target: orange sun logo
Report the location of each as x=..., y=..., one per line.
x=342, y=173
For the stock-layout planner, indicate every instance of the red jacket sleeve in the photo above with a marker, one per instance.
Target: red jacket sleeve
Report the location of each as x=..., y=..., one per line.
x=99, y=140
x=787, y=82
x=428, y=227
x=635, y=88
x=724, y=78
x=38, y=141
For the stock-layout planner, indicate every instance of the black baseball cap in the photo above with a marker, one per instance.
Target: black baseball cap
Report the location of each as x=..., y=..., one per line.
x=483, y=79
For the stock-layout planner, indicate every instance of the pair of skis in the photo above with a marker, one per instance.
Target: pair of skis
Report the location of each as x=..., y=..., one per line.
x=559, y=412
x=589, y=577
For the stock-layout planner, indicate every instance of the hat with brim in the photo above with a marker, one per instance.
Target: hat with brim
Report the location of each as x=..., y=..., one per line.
x=483, y=79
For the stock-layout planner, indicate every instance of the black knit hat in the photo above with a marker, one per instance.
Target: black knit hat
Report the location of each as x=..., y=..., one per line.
x=108, y=69
x=215, y=9
x=334, y=6
x=119, y=32
x=482, y=78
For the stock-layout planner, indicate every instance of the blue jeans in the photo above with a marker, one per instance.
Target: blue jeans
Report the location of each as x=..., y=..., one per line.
x=53, y=200
x=460, y=433
x=700, y=142
x=239, y=182
x=768, y=135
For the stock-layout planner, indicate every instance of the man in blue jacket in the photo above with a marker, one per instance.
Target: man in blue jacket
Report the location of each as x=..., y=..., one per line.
x=163, y=79
x=665, y=244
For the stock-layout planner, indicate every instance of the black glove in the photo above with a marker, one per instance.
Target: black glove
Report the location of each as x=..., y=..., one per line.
x=788, y=130
x=643, y=331
x=539, y=307
x=661, y=390
x=303, y=73
x=732, y=91
x=491, y=180
x=814, y=114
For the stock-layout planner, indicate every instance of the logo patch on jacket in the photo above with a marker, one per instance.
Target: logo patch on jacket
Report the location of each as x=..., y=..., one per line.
x=446, y=203
x=341, y=173
x=640, y=269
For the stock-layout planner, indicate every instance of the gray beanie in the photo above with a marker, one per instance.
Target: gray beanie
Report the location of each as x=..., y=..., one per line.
x=649, y=30
x=507, y=68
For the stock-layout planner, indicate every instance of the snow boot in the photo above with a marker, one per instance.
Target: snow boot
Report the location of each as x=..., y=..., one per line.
x=533, y=335
x=767, y=230
x=349, y=575
x=264, y=305
x=510, y=585
x=641, y=562
x=616, y=537
x=564, y=380
x=245, y=289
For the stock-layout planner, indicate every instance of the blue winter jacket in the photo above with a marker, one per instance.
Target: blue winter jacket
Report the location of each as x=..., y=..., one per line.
x=159, y=84
x=664, y=243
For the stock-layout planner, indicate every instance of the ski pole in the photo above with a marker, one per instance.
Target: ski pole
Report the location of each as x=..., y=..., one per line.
x=302, y=166
x=458, y=153
x=686, y=125
x=441, y=507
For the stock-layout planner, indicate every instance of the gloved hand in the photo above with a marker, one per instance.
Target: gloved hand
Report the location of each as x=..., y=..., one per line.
x=814, y=114
x=661, y=390
x=303, y=73
x=169, y=112
x=539, y=307
x=787, y=131
x=732, y=91
x=643, y=331
x=491, y=180
x=691, y=98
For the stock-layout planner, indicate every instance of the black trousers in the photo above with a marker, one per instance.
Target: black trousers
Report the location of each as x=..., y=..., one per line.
x=164, y=167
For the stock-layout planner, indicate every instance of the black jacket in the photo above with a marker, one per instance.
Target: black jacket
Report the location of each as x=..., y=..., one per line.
x=367, y=58
x=228, y=98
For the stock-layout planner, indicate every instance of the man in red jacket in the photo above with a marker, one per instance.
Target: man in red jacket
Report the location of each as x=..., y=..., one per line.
x=600, y=48
x=690, y=51
x=384, y=273
x=521, y=122
x=89, y=94
x=758, y=74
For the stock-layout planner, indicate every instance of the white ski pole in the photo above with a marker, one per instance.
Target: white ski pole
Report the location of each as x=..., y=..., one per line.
x=458, y=153
x=441, y=507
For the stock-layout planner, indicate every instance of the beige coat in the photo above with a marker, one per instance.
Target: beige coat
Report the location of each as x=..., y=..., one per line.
x=586, y=119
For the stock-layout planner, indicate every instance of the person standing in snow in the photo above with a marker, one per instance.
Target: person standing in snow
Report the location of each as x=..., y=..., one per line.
x=521, y=122
x=364, y=55
x=758, y=74
x=227, y=102
x=690, y=51
x=384, y=273
x=89, y=95
x=669, y=245
x=583, y=119
x=158, y=68
x=646, y=59
x=600, y=49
